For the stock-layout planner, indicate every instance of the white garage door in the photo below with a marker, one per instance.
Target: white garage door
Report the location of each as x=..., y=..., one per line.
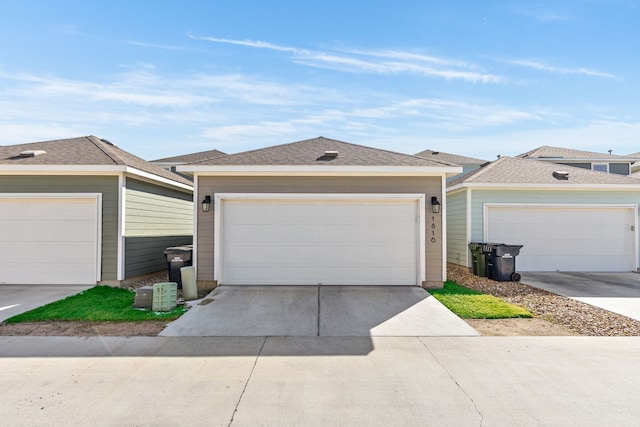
x=48, y=240
x=312, y=242
x=566, y=238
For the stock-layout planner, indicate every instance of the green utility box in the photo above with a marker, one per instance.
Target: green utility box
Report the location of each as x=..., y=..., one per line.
x=165, y=296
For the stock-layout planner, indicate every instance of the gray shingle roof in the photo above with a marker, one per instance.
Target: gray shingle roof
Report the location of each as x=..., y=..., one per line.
x=193, y=157
x=312, y=152
x=547, y=152
x=514, y=170
x=450, y=158
x=81, y=151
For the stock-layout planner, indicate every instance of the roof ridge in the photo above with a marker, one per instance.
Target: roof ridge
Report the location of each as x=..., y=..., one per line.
x=99, y=145
x=327, y=139
x=490, y=166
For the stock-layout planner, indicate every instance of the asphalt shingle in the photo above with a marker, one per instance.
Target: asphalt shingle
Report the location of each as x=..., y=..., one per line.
x=312, y=152
x=193, y=157
x=450, y=158
x=548, y=153
x=82, y=151
x=514, y=170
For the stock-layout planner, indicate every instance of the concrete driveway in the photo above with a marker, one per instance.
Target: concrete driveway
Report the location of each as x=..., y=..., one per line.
x=616, y=292
x=310, y=311
x=16, y=299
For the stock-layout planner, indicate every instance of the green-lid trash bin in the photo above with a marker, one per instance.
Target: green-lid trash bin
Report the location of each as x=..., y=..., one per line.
x=478, y=259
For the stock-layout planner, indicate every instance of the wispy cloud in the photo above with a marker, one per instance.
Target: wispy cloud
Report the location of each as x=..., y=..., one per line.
x=373, y=62
x=545, y=15
x=537, y=65
x=161, y=46
x=250, y=43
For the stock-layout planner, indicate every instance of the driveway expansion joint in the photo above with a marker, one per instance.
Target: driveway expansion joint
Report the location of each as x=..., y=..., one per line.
x=246, y=383
x=454, y=381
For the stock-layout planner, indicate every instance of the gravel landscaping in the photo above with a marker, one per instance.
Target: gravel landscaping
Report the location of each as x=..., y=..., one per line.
x=577, y=317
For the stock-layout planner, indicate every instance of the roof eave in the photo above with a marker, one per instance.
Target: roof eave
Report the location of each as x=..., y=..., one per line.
x=541, y=186
x=86, y=170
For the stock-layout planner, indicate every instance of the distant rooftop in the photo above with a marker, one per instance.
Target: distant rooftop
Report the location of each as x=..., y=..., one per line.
x=515, y=170
x=556, y=153
x=193, y=157
x=450, y=158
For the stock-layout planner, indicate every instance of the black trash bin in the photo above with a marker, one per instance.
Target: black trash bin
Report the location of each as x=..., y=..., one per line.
x=501, y=262
x=478, y=259
x=178, y=257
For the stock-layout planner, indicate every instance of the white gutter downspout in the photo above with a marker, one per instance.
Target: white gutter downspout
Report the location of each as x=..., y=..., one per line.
x=443, y=182
x=121, y=226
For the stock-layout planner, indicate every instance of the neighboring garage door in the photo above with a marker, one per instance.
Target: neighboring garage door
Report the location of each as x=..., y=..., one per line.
x=320, y=242
x=566, y=238
x=49, y=240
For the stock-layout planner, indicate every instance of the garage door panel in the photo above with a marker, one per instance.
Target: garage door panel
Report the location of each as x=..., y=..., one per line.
x=49, y=240
x=566, y=238
x=23, y=231
x=319, y=241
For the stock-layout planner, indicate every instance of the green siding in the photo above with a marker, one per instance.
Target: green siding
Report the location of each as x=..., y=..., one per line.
x=105, y=185
x=457, y=245
x=155, y=218
x=154, y=211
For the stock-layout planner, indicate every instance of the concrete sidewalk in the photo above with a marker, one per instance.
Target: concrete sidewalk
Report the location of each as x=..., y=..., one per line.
x=309, y=311
x=320, y=381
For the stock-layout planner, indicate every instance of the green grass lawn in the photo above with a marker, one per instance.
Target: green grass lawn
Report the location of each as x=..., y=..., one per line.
x=470, y=304
x=97, y=304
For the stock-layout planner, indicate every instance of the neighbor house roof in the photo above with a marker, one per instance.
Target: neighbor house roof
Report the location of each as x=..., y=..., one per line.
x=86, y=153
x=319, y=154
x=556, y=153
x=450, y=158
x=518, y=171
x=190, y=158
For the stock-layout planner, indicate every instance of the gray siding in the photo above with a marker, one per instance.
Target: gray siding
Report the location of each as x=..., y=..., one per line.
x=146, y=254
x=106, y=185
x=457, y=244
x=155, y=218
x=578, y=165
x=212, y=185
x=619, y=168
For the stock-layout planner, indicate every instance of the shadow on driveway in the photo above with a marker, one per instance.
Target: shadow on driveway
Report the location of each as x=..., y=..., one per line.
x=326, y=311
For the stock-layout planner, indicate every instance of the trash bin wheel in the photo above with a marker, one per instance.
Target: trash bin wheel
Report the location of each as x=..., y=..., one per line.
x=515, y=277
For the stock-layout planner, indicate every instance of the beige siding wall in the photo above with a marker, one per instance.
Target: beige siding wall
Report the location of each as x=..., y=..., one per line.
x=105, y=185
x=431, y=186
x=155, y=218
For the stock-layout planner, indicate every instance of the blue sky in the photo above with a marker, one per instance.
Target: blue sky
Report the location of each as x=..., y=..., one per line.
x=477, y=78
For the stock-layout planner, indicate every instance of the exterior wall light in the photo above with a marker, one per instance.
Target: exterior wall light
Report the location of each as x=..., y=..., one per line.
x=435, y=205
x=206, y=204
